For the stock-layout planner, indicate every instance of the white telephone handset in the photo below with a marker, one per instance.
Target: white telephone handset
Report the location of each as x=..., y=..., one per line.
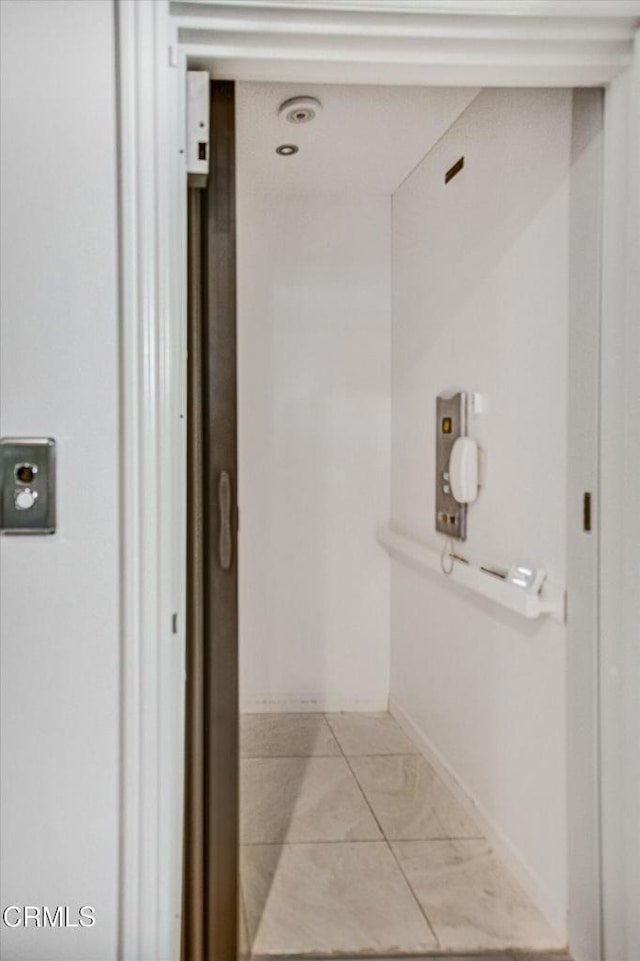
x=463, y=470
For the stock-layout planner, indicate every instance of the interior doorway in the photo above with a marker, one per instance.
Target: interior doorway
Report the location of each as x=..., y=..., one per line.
x=370, y=280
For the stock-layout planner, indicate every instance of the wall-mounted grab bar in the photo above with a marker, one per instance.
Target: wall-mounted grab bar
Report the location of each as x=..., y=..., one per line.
x=550, y=600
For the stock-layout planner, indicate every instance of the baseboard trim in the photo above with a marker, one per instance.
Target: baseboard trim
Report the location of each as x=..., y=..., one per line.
x=314, y=703
x=502, y=845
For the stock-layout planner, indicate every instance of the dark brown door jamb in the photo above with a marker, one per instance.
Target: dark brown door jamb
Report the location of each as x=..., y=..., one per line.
x=211, y=809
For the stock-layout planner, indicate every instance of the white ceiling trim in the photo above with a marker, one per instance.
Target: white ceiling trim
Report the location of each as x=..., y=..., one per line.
x=511, y=8
x=427, y=42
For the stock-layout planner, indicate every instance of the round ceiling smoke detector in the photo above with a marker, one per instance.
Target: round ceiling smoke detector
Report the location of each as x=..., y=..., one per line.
x=300, y=109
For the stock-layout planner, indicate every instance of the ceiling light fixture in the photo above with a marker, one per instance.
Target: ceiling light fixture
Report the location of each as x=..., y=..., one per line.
x=300, y=109
x=286, y=149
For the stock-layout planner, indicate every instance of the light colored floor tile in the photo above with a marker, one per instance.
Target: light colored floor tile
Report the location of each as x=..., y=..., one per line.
x=454, y=819
x=471, y=901
x=286, y=735
x=302, y=799
x=409, y=800
x=400, y=791
x=330, y=899
x=360, y=734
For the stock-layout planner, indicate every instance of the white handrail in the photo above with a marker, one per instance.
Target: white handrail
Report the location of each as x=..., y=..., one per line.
x=550, y=600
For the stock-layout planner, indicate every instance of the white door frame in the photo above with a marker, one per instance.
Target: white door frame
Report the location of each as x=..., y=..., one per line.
x=488, y=43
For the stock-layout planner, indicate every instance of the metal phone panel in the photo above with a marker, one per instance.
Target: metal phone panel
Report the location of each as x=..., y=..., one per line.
x=451, y=423
x=27, y=485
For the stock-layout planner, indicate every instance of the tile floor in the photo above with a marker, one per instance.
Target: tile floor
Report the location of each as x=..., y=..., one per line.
x=351, y=845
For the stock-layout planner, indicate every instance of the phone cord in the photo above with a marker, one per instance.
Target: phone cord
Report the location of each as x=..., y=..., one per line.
x=447, y=548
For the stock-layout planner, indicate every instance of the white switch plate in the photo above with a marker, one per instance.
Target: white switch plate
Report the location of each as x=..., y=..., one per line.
x=198, y=146
x=478, y=403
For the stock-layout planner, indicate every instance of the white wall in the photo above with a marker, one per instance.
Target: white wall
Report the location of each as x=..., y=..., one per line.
x=314, y=435
x=60, y=606
x=583, y=827
x=481, y=302
x=619, y=599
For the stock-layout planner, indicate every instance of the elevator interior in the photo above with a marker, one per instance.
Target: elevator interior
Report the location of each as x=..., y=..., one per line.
x=403, y=693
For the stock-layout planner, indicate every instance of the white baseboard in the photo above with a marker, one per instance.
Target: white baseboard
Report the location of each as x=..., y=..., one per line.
x=502, y=845
x=313, y=703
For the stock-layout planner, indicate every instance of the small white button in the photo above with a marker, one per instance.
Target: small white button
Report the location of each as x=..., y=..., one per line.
x=25, y=499
x=446, y=488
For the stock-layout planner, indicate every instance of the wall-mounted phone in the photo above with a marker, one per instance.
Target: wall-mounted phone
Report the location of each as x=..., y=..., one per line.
x=463, y=470
x=457, y=458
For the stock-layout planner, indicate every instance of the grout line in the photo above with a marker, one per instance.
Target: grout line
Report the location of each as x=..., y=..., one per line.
x=293, y=844
x=287, y=843
x=286, y=757
x=333, y=733
x=395, y=857
x=310, y=757
x=436, y=954
x=391, y=851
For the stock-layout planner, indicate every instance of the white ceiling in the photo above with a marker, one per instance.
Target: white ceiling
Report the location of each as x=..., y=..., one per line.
x=367, y=139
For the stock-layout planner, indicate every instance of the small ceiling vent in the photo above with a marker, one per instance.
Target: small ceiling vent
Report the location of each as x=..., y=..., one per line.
x=300, y=109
